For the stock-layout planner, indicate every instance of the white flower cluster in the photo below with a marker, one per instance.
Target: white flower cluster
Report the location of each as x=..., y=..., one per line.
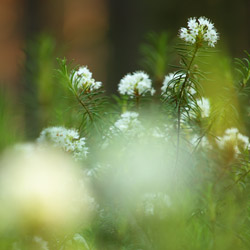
x=82, y=79
x=161, y=132
x=204, y=105
x=48, y=178
x=203, y=142
x=67, y=139
x=234, y=138
x=127, y=124
x=204, y=110
x=131, y=128
x=135, y=84
x=198, y=31
x=170, y=82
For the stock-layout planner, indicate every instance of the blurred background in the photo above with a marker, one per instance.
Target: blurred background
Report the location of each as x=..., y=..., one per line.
x=106, y=35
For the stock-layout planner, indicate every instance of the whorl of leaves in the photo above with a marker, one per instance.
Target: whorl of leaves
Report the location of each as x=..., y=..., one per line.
x=243, y=70
x=91, y=103
x=187, y=78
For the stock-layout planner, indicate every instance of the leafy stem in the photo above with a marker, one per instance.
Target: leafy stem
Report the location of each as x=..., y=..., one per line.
x=69, y=79
x=83, y=105
x=137, y=99
x=180, y=99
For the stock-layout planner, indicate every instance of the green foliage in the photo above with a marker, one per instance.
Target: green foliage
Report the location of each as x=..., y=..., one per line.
x=91, y=103
x=41, y=95
x=155, y=54
x=243, y=68
x=10, y=121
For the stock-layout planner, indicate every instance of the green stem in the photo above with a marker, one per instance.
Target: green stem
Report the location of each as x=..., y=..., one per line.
x=179, y=102
x=137, y=99
x=84, y=106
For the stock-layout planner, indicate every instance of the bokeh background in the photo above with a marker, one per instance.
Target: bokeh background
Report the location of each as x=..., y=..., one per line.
x=106, y=34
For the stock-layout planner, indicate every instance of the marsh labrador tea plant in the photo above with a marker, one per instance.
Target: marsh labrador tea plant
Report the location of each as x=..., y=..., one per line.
x=152, y=168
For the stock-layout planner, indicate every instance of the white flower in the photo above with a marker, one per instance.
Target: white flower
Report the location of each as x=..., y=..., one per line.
x=67, y=139
x=158, y=133
x=127, y=126
x=204, y=108
x=233, y=137
x=174, y=80
x=198, y=141
x=82, y=79
x=49, y=191
x=134, y=84
x=161, y=132
x=204, y=105
x=168, y=81
x=128, y=123
x=192, y=24
x=198, y=31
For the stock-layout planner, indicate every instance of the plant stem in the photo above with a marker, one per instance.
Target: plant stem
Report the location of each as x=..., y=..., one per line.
x=137, y=98
x=179, y=102
x=84, y=106
x=71, y=87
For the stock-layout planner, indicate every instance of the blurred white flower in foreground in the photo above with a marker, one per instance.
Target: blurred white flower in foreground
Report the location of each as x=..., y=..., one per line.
x=232, y=137
x=198, y=31
x=128, y=123
x=66, y=139
x=204, y=106
x=163, y=132
x=82, y=79
x=200, y=142
x=41, y=189
x=199, y=110
x=127, y=126
x=136, y=84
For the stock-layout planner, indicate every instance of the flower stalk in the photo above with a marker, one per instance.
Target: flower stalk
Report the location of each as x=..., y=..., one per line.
x=179, y=103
